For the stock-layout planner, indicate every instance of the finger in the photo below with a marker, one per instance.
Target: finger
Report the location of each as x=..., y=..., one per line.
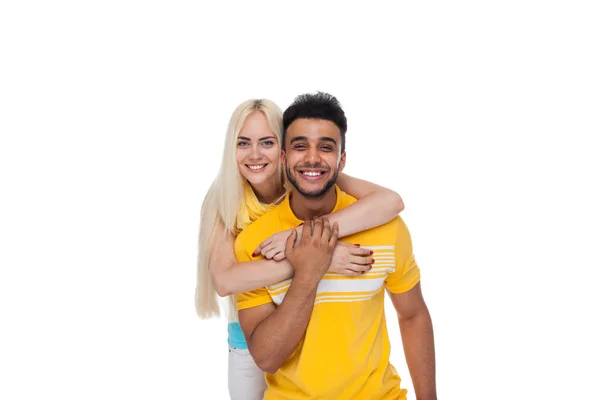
x=306, y=229
x=279, y=256
x=258, y=250
x=334, y=234
x=265, y=250
x=318, y=229
x=289, y=243
x=270, y=254
x=300, y=229
x=326, y=230
x=359, y=251
x=360, y=260
x=360, y=267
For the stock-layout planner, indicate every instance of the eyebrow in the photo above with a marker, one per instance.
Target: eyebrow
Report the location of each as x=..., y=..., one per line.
x=321, y=139
x=262, y=138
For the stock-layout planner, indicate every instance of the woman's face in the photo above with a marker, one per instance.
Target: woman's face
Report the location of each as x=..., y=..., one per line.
x=257, y=152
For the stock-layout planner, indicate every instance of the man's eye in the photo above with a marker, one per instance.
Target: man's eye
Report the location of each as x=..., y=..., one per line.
x=326, y=148
x=299, y=147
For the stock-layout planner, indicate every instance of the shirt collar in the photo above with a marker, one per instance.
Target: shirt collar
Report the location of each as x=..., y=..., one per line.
x=288, y=217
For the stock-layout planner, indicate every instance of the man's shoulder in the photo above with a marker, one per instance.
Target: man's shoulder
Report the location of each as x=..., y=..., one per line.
x=345, y=199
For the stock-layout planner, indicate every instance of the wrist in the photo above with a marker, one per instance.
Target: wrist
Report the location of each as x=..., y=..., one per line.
x=306, y=279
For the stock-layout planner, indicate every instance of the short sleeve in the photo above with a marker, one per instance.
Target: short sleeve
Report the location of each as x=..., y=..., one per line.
x=253, y=298
x=407, y=273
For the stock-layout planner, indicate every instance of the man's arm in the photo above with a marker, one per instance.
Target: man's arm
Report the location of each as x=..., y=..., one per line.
x=417, y=339
x=273, y=333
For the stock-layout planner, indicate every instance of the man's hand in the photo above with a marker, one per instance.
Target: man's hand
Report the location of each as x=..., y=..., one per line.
x=273, y=332
x=347, y=259
x=312, y=256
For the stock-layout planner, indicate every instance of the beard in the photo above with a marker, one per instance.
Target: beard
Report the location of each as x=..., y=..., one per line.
x=313, y=194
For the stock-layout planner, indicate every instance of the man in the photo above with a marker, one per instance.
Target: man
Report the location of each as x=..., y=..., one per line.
x=323, y=335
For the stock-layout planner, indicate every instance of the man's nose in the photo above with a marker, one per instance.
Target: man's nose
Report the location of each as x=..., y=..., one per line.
x=312, y=156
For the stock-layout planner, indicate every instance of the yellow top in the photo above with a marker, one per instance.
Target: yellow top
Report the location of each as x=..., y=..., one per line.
x=250, y=209
x=344, y=353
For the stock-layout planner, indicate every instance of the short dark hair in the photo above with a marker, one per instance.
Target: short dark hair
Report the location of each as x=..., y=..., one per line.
x=316, y=106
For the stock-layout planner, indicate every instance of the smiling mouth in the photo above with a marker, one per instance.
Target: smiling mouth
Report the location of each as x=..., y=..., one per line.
x=312, y=175
x=256, y=167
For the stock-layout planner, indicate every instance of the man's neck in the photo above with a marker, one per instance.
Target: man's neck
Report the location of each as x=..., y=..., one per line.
x=268, y=192
x=305, y=208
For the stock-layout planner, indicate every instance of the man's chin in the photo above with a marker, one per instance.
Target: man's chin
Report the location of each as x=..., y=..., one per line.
x=311, y=190
x=313, y=194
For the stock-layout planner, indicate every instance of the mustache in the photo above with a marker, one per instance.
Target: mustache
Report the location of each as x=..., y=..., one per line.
x=315, y=166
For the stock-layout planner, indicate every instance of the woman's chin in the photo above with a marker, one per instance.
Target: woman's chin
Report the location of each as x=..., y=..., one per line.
x=257, y=179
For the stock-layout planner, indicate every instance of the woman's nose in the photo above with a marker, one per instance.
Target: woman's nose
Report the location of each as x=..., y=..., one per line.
x=255, y=154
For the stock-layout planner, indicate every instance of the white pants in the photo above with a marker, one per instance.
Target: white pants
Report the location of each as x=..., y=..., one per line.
x=246, y=380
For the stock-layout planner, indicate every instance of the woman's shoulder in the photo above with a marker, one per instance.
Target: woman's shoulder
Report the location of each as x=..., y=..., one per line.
x=266, y=224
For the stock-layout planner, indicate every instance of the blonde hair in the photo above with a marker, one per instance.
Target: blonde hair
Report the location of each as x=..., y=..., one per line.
x=230, y=200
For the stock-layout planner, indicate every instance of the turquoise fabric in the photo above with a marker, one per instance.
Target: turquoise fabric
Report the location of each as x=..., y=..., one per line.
x=236, y=336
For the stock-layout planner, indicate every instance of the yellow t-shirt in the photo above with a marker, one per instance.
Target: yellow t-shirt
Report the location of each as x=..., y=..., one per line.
x=345, y=351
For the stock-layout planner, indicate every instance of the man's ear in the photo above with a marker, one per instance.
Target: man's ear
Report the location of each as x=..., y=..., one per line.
x=282, y=158
x=342, y=162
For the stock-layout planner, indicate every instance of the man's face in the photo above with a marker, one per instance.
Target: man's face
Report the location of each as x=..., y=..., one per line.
x=312, y=156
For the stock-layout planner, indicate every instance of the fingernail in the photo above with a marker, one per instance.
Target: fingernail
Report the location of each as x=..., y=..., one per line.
x=370, y=267
x=371, y=253
x=357, y=245
x=372, y=261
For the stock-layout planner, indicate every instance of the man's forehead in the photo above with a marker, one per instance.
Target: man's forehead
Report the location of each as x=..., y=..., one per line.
x=313, y=128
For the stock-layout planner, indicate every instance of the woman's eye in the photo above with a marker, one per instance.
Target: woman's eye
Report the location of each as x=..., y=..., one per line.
x=268, y=143
x=243, y=144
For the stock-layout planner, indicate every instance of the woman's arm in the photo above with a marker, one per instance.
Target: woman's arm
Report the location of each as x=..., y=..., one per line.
x=376, y=205
x=230, y=277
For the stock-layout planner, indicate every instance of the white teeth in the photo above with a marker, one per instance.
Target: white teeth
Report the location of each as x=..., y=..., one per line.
x=312, y=173
x=257, y=167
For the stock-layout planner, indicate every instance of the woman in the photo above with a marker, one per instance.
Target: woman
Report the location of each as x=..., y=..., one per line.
x=250, y=181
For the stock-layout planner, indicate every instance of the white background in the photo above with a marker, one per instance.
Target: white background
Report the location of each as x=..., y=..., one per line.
x=482, y=115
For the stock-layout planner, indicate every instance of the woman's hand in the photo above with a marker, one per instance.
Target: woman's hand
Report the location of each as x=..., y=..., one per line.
x=274, y=247
x=349, y=259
